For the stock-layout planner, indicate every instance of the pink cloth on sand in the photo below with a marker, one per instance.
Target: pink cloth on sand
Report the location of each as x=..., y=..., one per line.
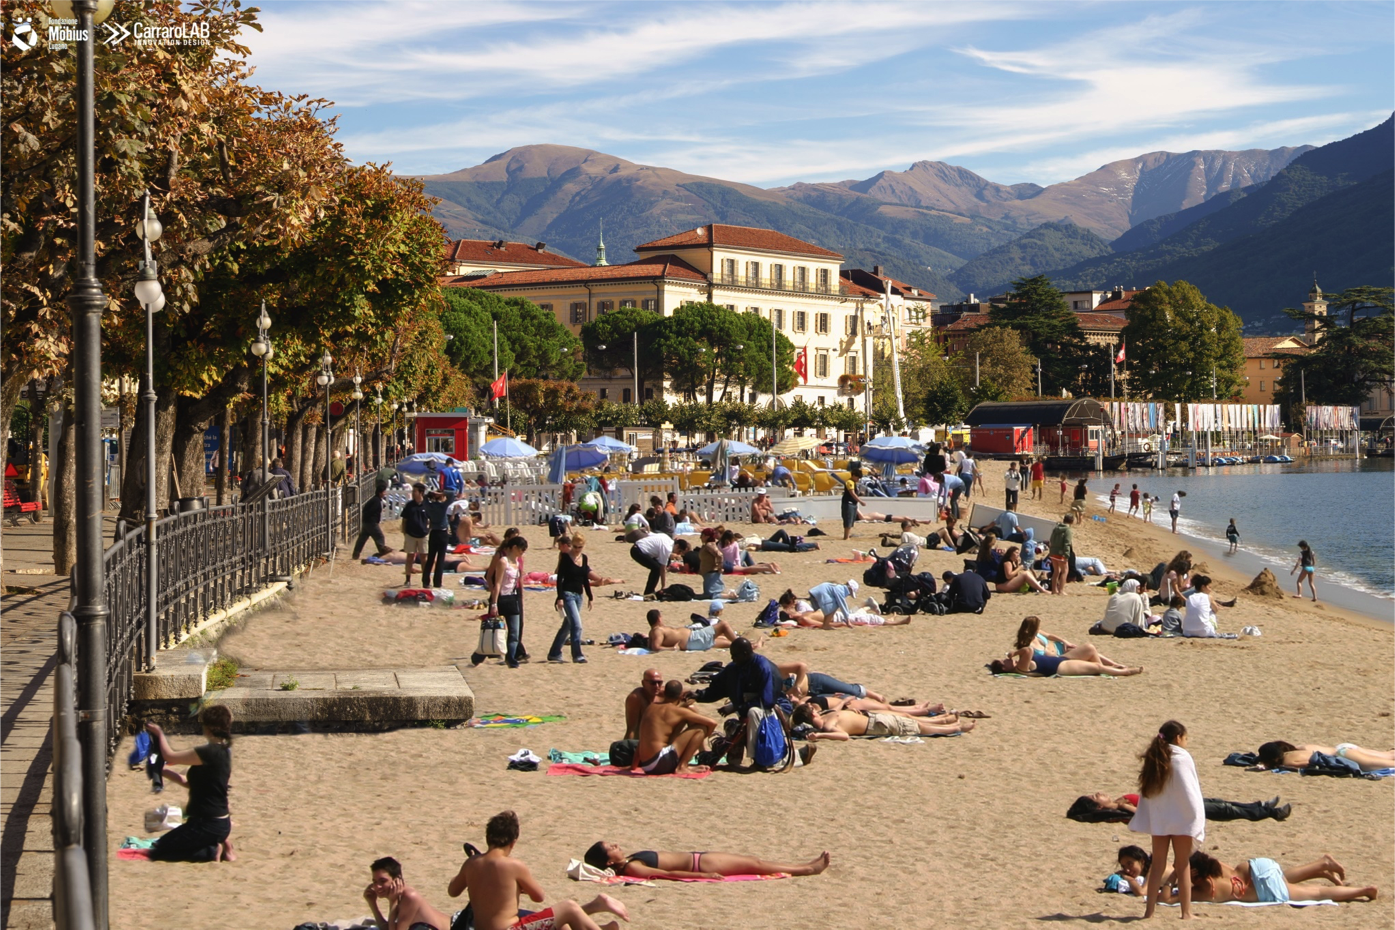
x=569, y=768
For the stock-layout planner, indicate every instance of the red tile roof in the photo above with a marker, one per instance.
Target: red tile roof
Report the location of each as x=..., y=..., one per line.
x=1122, y=303
x=519, y=253
x=1090, y=322
x=655, y=266
x=905, y=289
x=968, y=321
x=1263, y=346
x=741, y=237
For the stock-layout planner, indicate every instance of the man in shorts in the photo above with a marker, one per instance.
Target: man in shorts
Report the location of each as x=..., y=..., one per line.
x=694, y=638
x=416, y=529
x=671, y=734
x=845, y=724
x=407, y=907
x=1062, y=541
x=496, y=879
x=1038, y=479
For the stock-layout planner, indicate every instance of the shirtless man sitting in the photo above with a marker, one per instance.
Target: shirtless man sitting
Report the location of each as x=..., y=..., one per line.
x=845, y=724
x=495, y=880
x=687, y=639
x=638, y=701
x=670, y=734
x=468, y=529
x=408, y=910
x=762, y=510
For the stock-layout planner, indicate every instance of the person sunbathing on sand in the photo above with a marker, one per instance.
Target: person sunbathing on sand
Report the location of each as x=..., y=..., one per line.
x=408, y=910
x=872, y=516
x=845, y=724
x=832, y=703
x=804, y=613
x=670, y=734
x=1265, y=881
x=688, y=639
x=678, y=865
x=1022, y=659
x=1030, y=632
x=496, y=879
x=1280, y=754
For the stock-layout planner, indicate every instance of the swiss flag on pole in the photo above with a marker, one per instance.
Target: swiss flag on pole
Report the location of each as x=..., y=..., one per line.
x=499, y=388
x=1120, y=357
x=801, y=365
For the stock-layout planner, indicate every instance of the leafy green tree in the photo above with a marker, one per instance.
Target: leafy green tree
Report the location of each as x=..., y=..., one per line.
x=1177, y=340
x=616, y=331
x=1002, y=358
x=1050, y=329
x=532, y=344
x=944, y=402
x=843, y=418
x=608, y=414
x=1352, y=357
x=551, y=406
x=706, y=349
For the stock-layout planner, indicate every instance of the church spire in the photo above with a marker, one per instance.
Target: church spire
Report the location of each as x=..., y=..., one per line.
x=600, y=247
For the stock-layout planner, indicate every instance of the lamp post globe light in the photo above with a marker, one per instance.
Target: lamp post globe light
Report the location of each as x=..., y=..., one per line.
x=90, y=611
x=262, y=349
x=152, y=298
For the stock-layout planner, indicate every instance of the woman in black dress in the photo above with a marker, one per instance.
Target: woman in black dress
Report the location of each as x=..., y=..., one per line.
x=203, y=837
x=850, y=504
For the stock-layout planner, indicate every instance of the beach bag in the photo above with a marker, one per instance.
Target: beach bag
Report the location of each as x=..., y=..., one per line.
x=676, y=592
x=768, y=748
x=622, y=752
x=164, y=817
x=494, y=639
x=638, y=641
x=769, y=615
x=748, y=592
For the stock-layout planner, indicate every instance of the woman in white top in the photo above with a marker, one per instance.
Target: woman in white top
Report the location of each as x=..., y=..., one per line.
x=634, y=518
x=1125, y=606
x=1171, y=810
x=1200, y=619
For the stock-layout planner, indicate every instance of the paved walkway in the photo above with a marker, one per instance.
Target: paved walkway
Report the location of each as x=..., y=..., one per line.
x=28, y=642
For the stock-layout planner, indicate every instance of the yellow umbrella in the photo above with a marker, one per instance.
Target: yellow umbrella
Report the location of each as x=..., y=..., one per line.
x=794, y=445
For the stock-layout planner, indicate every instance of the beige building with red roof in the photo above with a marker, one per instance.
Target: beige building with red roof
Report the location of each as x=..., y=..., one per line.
x=835, y=317
x=483, y=256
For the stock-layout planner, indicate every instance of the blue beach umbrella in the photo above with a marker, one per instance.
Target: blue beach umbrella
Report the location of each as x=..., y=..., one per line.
x=608, y=444
x=416, y=464
x=585, y=456
x=893, y=450
x=508, y=448
x=733, y=447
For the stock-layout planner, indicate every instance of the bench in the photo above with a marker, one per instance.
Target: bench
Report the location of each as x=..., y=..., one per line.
x=14, y=507
x=983, y=515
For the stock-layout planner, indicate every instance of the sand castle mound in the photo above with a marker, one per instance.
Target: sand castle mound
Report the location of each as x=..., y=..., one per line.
x=1265, y=585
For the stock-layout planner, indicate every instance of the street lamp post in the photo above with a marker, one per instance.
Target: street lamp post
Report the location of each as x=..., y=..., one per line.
x=392, y=425
x=86, y=302
x=378, y=433
x=262, y=349
x=152, y=298
x=326, y=380
x=357, y=396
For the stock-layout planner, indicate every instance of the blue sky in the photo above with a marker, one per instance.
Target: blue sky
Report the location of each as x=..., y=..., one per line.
x=770, y=93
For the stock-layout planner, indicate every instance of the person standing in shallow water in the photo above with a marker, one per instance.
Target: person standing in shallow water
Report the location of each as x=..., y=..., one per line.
x=1232, y=536
x=1308, y=563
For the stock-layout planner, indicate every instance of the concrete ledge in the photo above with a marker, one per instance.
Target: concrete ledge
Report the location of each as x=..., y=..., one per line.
x=353, y=696
x=179, y=675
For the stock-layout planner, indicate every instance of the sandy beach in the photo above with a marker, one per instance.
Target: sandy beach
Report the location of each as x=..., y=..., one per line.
x=966, y=831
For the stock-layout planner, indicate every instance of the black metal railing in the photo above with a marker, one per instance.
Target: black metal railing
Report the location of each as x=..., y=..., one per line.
x=207, y=560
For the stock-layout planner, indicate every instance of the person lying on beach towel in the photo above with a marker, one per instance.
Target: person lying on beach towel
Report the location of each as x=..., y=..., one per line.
x=671, y=733
x=1264, y=881
x=693, y=638
x=832, y=703
x=452, y=563
x=1022, y=659
x=845, y=724
x=495, y=880
x=649, y=863
x=872, y=516
x=806, y=615
x=1281, y=755
x=1042, y=642
x=1101, y=808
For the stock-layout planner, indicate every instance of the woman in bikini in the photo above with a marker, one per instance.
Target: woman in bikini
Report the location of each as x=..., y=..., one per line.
x=1264, y=881
x=1048, y=644
x=1282, y=755
x=680, y=865
x=1012, y=576
x=1023, y=659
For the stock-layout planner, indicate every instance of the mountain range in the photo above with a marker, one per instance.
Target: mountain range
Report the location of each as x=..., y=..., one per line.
x=1220, y=216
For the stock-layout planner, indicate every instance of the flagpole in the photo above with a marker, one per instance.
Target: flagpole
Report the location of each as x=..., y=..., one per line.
x=496, y=361
x=1110, y=350
x=508, y=407
x=891, y=322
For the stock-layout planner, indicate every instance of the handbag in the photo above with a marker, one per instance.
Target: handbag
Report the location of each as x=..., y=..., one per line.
x=494, y=639
x=769, y=747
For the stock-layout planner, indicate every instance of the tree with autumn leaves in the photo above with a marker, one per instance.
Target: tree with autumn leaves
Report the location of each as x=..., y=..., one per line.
x=258, y=202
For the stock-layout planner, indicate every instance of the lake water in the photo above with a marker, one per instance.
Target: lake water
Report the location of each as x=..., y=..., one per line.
x=1345, y=509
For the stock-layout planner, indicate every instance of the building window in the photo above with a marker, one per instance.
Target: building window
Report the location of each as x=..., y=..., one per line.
x=753, y=309
x=777, y=318
x=625, y=396
x=605, y=392
x=440, y=440
x=850, y=364
x=648, y=393
x=915, y=315
x=801, y=278
x=731, y=307
x=1261, y=386
x=604, y=306
x=1261, y=364
x=578, y=313
x=650, y=303
x=753, y=274
x=820, y=400
x=821, y=323
x=821, y=364
x=545, y=308
x=800, y=321
x=777, y=276
x=627, y=305
x=822, y=274
x=728, y=271
x=1276, y=364
x=850, y=325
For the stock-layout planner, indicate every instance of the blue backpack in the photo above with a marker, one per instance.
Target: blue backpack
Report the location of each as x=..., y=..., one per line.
x=768, y=748
x=769, y=615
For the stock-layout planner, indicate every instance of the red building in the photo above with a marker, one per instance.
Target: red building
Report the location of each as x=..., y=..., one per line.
x=447, y=433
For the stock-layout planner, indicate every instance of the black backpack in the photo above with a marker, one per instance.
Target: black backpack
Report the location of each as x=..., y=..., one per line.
x=638, y=641
x=677, y=592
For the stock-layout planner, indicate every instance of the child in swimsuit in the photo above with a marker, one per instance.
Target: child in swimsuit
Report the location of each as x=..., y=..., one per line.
x=1232, y=535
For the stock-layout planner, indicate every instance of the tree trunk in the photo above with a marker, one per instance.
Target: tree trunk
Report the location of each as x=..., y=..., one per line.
x=64, y=500
x=225, y=447
x=250, y=457
x=10, y=386
x=133, y=479
x=307, y=456
x=295, y=444
x=189, y=463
